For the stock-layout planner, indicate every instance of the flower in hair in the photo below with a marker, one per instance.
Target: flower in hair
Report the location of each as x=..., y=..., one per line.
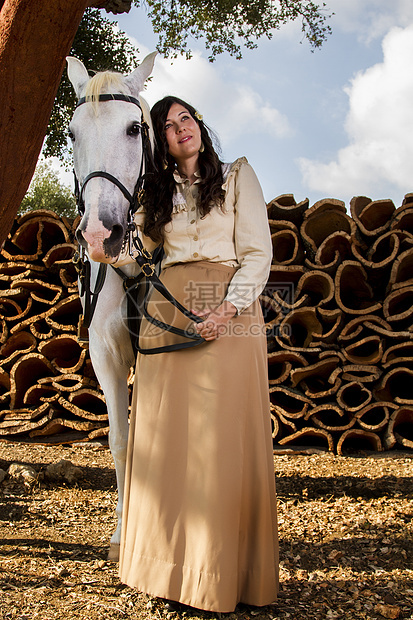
x=198, y=115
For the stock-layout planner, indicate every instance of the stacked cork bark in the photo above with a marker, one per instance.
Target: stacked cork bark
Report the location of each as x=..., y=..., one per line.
x=339, y=315
x=48, y=390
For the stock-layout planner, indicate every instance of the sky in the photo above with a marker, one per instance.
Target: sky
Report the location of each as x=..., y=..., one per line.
x=333, y=123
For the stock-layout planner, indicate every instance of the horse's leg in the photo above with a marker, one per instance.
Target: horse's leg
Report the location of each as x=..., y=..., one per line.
x=118, y=441
x=112, y=376
x=112, y=356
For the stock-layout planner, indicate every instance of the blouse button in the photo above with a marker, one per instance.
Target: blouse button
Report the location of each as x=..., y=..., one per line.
x=193, y=209
x=195, y=238
x=195, y=254
x=192, y=221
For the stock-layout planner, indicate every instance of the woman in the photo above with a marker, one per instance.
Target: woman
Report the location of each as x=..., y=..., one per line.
x=199, y=521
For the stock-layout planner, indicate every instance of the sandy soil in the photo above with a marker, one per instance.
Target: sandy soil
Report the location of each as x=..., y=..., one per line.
x=346, y=539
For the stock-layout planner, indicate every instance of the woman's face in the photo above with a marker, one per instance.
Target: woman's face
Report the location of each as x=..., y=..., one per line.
x=183, y=133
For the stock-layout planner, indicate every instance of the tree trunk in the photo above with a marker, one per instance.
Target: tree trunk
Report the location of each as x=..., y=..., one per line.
x=34, y=41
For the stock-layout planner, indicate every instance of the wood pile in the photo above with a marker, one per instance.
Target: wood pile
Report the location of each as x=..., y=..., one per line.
x=338, y=309
x=339, y=316
x=48, y=390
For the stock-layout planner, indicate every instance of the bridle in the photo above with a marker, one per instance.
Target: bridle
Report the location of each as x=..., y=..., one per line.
x=144, y=259
x=80, y=259
x=146, y=161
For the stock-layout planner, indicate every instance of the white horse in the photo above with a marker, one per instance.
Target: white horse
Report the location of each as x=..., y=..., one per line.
x=107, y=138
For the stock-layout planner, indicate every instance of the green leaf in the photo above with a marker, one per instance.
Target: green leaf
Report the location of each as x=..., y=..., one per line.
x=47, y=192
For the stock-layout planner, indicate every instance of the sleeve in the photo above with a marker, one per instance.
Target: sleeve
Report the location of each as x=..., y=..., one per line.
x=252, y=240
x=124, y=257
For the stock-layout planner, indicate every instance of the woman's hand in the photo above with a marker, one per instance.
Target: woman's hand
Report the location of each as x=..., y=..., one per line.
x=215, y=321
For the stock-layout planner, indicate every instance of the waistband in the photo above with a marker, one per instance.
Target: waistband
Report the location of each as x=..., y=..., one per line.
x=203, y=264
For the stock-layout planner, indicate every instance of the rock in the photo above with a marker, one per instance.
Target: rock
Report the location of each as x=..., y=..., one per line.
x=389, y=599
x=388, y=611
x=3, y=474
x=63, y=471
x=23, y=472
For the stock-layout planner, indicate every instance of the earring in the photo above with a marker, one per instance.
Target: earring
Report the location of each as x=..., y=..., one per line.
x=165, y=164
x=202, y=148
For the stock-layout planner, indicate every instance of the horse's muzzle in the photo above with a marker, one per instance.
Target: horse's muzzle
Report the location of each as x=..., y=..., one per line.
x=102, y=245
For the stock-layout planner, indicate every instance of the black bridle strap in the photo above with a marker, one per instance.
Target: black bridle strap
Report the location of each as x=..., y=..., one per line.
x=112, y=179
x=91, y=297
x=110, y=97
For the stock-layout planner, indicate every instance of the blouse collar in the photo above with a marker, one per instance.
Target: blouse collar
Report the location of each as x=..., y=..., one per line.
x=182, y=179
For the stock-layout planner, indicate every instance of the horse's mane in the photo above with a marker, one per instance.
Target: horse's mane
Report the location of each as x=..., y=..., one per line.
x=105, y=81
x=110, y=81
x=146, y=111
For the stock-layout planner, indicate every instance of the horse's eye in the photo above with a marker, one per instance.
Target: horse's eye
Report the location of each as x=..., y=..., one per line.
x=134, y=129
x=71, y=135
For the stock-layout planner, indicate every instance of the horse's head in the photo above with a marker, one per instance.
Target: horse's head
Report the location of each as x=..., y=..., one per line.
x=107, y=138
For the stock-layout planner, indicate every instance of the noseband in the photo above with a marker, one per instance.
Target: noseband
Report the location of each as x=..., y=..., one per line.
x=146, y=161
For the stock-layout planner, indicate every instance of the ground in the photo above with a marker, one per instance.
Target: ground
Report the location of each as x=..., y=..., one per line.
x=345, y=524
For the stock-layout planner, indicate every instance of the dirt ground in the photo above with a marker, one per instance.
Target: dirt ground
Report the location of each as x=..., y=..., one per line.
x=345, y=525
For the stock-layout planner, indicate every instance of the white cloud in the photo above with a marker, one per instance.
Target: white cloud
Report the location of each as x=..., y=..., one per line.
x=230, y=107
x=370, y=19
x=379, y=126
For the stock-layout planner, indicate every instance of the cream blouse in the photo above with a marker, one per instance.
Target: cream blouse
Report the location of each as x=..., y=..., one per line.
x=237, y=235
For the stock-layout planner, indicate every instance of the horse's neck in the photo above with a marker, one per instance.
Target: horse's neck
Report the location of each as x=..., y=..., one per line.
x=131, y=269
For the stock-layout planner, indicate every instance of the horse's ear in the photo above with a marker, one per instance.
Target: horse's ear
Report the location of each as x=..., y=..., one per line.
x=138, y=77
x=77, y=74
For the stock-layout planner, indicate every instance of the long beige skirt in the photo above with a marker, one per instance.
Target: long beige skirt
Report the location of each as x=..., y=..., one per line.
x=199, y=520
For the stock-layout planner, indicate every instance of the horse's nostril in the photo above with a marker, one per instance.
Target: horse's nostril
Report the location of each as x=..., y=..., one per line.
x=117, y=233
x=113, y=244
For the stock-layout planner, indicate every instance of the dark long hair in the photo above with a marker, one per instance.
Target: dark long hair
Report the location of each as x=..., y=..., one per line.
x=160, y=185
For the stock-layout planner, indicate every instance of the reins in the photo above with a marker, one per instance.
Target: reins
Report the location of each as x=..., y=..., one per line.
x=137, y=251
x=147, y=263
x=82, y=266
